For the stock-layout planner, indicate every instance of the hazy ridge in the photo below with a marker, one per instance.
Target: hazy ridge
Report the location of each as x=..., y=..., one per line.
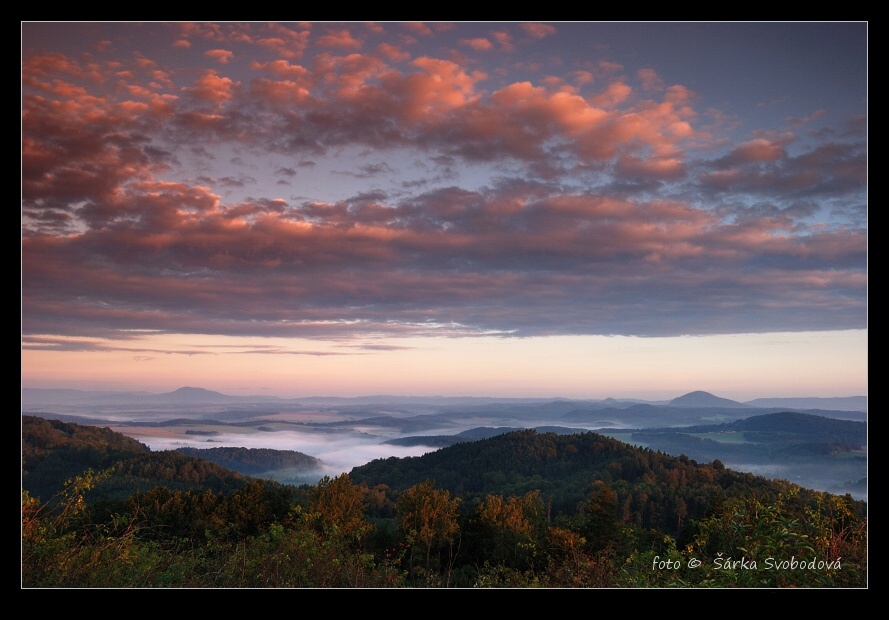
x=344, y=433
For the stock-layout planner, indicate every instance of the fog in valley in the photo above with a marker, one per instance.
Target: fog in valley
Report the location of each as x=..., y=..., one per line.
x=340, y=451
x=346, y=433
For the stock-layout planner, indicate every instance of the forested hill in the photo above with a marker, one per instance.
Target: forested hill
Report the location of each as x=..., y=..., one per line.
x=524, y=509
x=806, y=426
x=39, y=436
x=55, y=452
x=654, y=490
x=254, y=461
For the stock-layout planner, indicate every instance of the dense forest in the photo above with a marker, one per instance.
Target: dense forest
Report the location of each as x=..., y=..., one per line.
x=524, y=509
x=254, y=461
x=773, y=436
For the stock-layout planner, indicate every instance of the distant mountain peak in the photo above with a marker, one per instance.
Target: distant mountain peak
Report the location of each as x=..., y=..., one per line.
x=195, y=391
x=192, y=395
x=700, y=398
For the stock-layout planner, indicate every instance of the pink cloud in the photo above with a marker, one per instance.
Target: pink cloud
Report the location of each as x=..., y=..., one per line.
x=418, y=28
x=665, y=168
x=650, y=79
x=203, y=30
x=354, y=95
x=613, y=95
x=46, y=64
x=437, y=89
x=162, y=105
x=339, y=38
x=722, y=179
x=346, y=75
x=539, y=31
x=606, y=66
x=222, y=56
x=678, y=94
x=161, y=80
x=479, y=44
x=582, y=77
x=392, y=52
x=535, y=104
x=268, y=267
x=137, y=90
x=77, y=151
x=286, y=42
x=59, y=88
x=145, y=63
x=155, y=206
x=758, y=150
x=504, y=40
x=213, y=88
x=225, y=32
x=521, y=118
x=120, y=234
x=281, y=68
x=283, y=92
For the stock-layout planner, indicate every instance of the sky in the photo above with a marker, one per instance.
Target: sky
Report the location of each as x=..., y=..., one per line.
x=575, y=209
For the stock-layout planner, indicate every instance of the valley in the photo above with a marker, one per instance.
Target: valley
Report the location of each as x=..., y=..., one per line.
x=343, y=433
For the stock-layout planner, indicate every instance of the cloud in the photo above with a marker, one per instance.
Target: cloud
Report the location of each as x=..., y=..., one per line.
x=286, y=42
x=281, y=68
x=597, y=200
x=222, y=56
x=418, y=28
x=283, y=351
x=378, y=347
x=766, y=169
x=230, y=181
x=650, y=79
x=393, y=53
x=758, y=150
x=630, y=166
x=446, y=262
x=479, y=44
x=81, y=154
x=370, y=170
x=437, y=104
x=504, y=40
x=795, y=121
x=339, y=38
x=49, y=343
x=539, y=31
x=213, y=88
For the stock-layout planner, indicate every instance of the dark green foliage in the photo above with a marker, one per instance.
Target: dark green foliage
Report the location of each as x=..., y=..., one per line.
x=253, y=461
x=176, y=470
x=54, y=452
x=765, y=437
x=653, y=490
x=522, y=510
